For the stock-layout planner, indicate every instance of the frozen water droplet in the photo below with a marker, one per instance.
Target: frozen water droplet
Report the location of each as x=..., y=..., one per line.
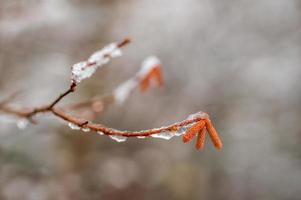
x=73, y=126
x=100, y=132
x=118, y=138
x=22, y=123
x=86, y=129
x=141, y=137
x=164, y=135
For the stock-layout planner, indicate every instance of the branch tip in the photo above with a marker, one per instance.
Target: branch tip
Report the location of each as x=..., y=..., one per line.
x=124, y=42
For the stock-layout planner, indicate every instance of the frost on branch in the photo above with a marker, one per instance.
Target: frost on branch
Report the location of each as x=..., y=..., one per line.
x=122, y=92
x=164, y=135
x=149, y=70
x=86, y=69
x=196, y=125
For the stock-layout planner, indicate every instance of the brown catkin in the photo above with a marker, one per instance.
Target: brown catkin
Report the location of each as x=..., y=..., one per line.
x=158, y=75
x=190, y=133
x=155, y=74
x=213, y=135
x=200, y=142
x=144, y=84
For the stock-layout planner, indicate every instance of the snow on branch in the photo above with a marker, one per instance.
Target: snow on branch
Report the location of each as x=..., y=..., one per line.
x=150, y=70
x=85, y=69
x=196, y=125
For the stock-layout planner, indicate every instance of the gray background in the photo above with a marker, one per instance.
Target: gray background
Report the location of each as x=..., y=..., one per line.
x=238, y=60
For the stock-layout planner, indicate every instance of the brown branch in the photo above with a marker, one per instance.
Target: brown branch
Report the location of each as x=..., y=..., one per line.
x=82, y=123
x=141, y=79
x=29, y=113
x=198, y=121
x=194, y=125
x=124, y=42
x=47, y=108
x=96, y=104
x=71, y=89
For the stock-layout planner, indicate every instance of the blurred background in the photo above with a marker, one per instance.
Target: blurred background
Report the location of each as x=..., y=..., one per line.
x=238, y=60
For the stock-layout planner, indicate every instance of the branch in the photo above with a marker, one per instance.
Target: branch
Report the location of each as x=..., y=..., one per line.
x=96, y=61
x=196, y=124
x=177, y=129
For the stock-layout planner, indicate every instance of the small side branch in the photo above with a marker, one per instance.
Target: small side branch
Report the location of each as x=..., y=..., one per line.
x=71, y=89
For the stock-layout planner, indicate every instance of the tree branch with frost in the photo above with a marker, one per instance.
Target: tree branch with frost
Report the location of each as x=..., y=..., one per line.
x=151, y=71
x=79, y=71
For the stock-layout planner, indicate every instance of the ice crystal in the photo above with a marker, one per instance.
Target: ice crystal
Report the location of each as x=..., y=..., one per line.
x=182, y=130
x=74, y=126
x=118, y=138
x=98, y=58
x=164, y=135
x=22, y=123
x=100, y=132
x=82, y=71
x=86, y=69
x=103, y=56
x=86, y=129
x=112, y=50
x=123, y=91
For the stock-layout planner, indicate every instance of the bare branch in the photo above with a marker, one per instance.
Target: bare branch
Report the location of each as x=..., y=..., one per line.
x=196, y=124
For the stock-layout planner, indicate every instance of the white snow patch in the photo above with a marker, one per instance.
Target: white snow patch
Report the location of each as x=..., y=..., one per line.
x=124, y=90
x=148, y=64
x=86, y=69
